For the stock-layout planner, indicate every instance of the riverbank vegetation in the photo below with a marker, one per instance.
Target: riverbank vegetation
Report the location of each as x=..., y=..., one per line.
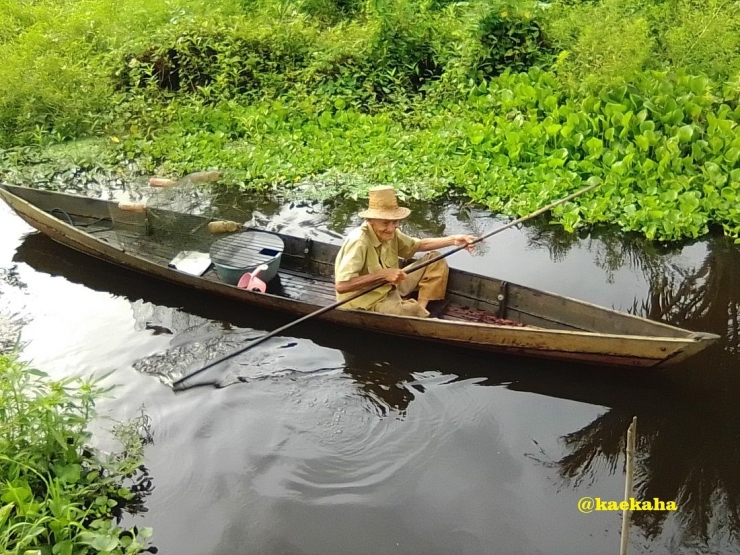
x=58, y=495
x=508, y=104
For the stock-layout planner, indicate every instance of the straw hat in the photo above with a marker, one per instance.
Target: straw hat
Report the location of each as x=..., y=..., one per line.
x=383, y=205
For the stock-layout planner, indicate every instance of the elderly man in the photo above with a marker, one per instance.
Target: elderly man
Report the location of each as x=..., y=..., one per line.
x=369, y=255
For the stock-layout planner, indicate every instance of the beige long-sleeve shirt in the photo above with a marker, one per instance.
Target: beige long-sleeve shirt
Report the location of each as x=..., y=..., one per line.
x=363, y=253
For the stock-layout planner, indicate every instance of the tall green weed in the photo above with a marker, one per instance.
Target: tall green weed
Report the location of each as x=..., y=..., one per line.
x=56, y=79
x=702, y=36
x=57, y=495
x=612, y=41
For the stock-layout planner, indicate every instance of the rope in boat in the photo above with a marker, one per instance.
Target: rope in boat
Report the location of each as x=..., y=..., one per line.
x=79, y=224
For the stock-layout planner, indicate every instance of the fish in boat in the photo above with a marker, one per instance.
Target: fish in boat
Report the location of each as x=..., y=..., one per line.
x=479, y=313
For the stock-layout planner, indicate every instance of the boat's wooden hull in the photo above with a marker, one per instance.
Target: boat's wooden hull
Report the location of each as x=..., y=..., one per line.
x=668, y=345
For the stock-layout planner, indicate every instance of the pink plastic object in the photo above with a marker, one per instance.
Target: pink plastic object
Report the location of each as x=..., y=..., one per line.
x=251, y=282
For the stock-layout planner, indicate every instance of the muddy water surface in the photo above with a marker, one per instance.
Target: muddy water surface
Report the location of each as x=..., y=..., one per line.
x=331, y=441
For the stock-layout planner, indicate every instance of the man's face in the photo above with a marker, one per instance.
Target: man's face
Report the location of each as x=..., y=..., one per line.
x=384, y=229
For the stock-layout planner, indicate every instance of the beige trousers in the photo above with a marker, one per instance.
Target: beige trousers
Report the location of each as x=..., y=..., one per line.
x=431, y=281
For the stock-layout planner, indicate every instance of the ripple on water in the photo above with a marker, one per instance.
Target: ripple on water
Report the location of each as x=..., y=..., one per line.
x=342, y=434
x=337, y=450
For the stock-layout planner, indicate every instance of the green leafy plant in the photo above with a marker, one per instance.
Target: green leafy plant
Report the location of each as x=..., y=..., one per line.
x=511, y=41
x=57, y=495
x=439, y=99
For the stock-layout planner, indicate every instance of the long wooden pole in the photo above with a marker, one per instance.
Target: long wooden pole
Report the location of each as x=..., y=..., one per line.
x=628, y=483
x=178, y=383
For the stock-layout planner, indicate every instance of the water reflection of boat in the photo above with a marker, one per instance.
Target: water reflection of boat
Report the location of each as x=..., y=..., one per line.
x=554, y=326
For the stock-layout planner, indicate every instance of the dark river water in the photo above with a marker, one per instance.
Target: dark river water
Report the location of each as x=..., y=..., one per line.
x=332, y=441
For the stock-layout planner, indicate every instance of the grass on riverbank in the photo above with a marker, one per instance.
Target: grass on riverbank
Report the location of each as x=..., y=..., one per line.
x=58, y=496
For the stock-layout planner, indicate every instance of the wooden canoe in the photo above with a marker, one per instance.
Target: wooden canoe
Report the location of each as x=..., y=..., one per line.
x=554, y=326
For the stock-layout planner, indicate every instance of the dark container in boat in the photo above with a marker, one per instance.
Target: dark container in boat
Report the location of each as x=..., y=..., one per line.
x=237, y=254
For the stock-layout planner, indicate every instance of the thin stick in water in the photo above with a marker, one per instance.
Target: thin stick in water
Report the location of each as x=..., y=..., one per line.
x=629, y=478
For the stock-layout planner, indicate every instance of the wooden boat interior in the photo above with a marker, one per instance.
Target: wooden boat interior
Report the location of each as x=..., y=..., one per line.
x=306, y=271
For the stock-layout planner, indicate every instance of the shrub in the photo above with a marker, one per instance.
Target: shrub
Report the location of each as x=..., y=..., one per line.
x=611, y=41
x=602, y=45
x=511, y=41
x=401, y=55
x=219, y=58
x=331, y=12
x=701, y=35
